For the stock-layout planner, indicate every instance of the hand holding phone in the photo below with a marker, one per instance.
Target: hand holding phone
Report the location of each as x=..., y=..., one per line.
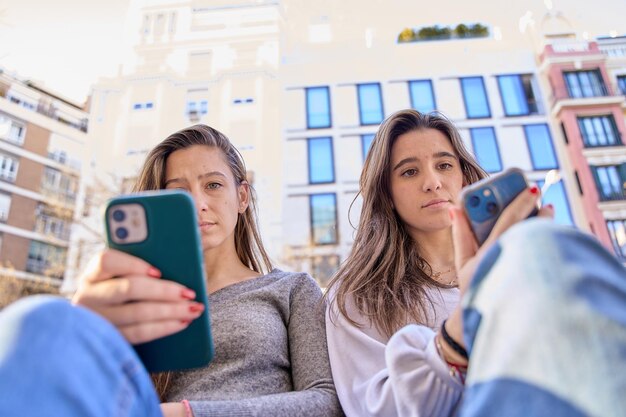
x=161, y=228
x=485, y=200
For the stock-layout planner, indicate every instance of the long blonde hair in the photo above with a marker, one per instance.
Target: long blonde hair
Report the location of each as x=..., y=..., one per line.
x=384, y=273
x=248, y=242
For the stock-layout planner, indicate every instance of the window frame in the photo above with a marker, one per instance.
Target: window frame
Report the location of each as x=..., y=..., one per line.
x=336, y=219
x=380, y=99
x=309, y=125
x=497, y=146
x=486, y=96
x=410, y=83
x=332, y=160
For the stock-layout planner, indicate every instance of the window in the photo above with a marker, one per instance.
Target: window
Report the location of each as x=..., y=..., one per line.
x=422, y=96
x=584, y=84
x=599, y=131
x=323, y=268
x=486, y=148
x=540, y=147
x=366, y=143
x=196, y=109
x=317, y=107
x=5, y=206
x=49, y=222
x=475, y=97
x=518, y=98
x=148, y=105
x=617, y=230
x=59, y=184
x=8, y=167
x=556, y=196
x=323, y=218
x=12, y=130
x=321, y=166
x=611, y=181
x=621, y=84
x=46, y=259
x=370, y=104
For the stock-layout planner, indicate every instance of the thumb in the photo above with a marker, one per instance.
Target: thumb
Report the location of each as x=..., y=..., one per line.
x=465, y=245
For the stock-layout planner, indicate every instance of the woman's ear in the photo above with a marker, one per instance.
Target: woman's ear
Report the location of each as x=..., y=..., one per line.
x=244, y=196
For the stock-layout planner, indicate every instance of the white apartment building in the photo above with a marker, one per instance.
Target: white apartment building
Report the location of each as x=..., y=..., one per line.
x=300, y=87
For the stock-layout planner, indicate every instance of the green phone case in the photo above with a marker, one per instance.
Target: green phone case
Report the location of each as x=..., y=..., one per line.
x=173, y=246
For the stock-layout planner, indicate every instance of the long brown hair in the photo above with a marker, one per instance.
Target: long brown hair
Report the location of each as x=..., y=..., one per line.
x=248, y=242
x=384, y=273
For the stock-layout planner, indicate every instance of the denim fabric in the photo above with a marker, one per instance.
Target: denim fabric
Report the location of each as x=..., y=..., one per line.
x=545, y=322
x=60, y=360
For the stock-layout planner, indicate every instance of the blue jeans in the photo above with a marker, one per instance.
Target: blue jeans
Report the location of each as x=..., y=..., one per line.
x=60, y=360
x=545, y=326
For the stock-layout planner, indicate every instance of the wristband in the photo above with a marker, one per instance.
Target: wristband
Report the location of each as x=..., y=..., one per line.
x=452, y=343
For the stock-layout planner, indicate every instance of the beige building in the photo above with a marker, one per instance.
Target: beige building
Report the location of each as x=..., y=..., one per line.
x=300, y=87
x=42, y=143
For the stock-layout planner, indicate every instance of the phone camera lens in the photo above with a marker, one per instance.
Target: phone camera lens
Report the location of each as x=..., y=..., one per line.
x=121, y=233
x=492, y=208
x=119, y=215
x=474, y=201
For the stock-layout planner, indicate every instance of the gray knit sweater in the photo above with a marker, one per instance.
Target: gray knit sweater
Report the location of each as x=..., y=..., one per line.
x=271, y=357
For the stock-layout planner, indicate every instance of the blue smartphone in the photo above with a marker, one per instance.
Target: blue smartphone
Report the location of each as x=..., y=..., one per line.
x=485, y=200
x=161, y=227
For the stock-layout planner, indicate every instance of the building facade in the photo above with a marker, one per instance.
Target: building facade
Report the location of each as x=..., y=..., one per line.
x=42, y=143
x=301, y=87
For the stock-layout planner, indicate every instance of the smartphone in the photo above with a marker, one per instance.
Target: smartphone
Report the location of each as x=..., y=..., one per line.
x=161, y=227
x=485, y=200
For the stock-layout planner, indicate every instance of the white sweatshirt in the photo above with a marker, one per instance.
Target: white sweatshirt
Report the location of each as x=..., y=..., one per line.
x=400, y=376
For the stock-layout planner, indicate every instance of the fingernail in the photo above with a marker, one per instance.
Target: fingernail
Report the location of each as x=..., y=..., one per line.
x=550, y=206
x=188, y=294
x=196, y=308
x=185, y=322
x=153, y=272
x=534, y=189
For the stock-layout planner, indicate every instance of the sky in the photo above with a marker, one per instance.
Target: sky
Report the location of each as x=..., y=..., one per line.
x=66, y=45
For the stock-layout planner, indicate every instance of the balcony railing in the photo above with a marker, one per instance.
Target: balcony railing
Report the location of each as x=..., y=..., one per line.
x=613, y=196
x=593, y=91
x=50, y=110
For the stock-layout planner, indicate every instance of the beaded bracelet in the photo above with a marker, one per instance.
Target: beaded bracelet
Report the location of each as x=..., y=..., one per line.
x=456, y=370
x=188, y=411
x=452, y=343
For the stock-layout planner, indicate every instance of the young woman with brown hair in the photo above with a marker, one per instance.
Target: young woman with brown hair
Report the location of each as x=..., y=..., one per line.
x=267, y=325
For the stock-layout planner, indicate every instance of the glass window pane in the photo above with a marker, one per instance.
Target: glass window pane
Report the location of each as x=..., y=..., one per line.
x=323, y=218
x=513, y=96
x=370, y=104
x=366, y=141
x=556, y=196
x=422, y=97
x=599, y=130
x=540, y=147
x=617, y=230
x=318, y=107
x=476, y=103
x=486, y=148
x=321, y=160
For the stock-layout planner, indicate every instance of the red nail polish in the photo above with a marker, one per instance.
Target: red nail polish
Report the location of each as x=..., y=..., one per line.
x=188, y=294
x=534, y=189
x=196, y=308
x=153, y=272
